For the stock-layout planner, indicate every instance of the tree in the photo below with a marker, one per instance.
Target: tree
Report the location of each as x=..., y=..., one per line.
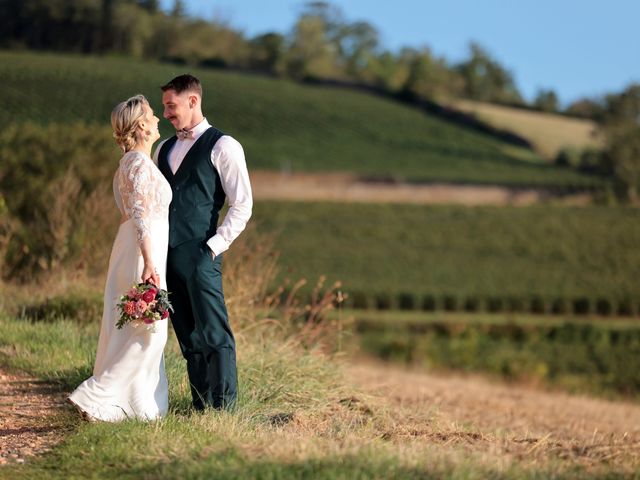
x=310, y=53
x=151, y=6
x=267, y=52
x=178, y=10
x=356, y=46
x=546, y=100
x=486, y=80
x=428, y=76
x=587, y=108
x=621, y=128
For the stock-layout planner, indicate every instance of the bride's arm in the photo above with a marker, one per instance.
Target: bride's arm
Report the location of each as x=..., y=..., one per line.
x=136, y=189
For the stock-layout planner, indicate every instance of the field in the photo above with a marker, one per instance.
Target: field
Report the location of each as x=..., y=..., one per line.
x=282, y=125
x=306, y=415
x=468, y=253
x=583, y=355
x=547, y=132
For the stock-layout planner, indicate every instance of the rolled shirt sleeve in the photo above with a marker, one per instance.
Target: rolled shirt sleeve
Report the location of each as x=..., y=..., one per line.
x=228, y=160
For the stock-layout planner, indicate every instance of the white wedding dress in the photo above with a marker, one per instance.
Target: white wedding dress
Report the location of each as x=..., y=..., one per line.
x=128, y=379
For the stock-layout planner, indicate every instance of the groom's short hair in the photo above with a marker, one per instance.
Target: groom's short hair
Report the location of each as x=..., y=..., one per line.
x=184, y=83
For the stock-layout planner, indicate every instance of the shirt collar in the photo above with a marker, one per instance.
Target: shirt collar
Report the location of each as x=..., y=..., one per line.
x=200, y=128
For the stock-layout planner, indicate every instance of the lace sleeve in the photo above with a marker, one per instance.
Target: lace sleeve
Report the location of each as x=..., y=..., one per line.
x=136, y=187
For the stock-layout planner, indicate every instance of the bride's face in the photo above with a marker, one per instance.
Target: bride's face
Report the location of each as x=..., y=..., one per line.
x=150, y=123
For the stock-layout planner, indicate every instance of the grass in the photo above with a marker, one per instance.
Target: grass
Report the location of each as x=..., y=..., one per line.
x=560, y=252
x=326, y=437
x=549, y=133
x=415, y=318
x=579, y=355
x=282, y=125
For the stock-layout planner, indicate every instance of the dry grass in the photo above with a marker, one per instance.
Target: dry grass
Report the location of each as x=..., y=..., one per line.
x=503, y=423
x=549, y=133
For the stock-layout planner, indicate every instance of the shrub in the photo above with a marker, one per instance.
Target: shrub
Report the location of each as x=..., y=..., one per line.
x=516, y=304
x=604, y=306
x=81, y=308
x=406, y=301
x=359, y=300
x=581, y=306
x=383, y=301
x=472, y=304
x=538, y=305
x=560, y=306
x=495, y=304
x=429, y=303
x=626, y=307
x=450, y=303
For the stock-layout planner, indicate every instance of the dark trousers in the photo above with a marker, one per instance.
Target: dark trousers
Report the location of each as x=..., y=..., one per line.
x=194, y=281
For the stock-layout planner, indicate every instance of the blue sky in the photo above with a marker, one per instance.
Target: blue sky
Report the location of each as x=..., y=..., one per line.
x=577, y=47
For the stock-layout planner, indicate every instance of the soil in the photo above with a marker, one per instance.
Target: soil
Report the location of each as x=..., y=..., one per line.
x=341, y=187
x=30, y=417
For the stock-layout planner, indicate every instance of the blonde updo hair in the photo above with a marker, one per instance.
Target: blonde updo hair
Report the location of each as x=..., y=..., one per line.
x=125, y=118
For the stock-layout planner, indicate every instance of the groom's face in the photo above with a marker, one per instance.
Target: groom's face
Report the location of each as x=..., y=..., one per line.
x=178, y=108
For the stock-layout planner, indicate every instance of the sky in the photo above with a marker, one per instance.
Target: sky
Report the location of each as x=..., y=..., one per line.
x=576, y=47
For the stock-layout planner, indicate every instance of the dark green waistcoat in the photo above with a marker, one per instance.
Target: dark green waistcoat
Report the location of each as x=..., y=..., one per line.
x=197, y=191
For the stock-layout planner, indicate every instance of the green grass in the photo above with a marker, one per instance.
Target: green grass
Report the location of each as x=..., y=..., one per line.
x=559, y=252
x=584, y=355
x=416, y=319
x=282, y=125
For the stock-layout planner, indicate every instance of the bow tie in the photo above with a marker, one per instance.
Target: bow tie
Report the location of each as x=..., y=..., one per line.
x=184, y=134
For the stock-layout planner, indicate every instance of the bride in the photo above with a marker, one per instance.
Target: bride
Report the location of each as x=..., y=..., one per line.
x=128, y=377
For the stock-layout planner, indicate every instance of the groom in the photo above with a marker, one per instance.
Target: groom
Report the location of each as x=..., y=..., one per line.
x=203, y=166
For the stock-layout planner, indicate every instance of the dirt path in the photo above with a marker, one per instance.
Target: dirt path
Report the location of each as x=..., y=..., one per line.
x=349, y=188
x=504, y=419
x=31, y=414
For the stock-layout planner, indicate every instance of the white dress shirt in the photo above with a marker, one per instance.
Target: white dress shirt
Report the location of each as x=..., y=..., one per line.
x=228, y=159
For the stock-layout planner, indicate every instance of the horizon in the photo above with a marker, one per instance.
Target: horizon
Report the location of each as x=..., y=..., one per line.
x=569, y=59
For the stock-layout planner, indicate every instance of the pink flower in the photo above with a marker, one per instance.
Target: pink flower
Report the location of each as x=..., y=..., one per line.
x=165, y=314
x=130, y=308
x=147, y=320
x=133, y=293
x=141, y=306
x=150, y=295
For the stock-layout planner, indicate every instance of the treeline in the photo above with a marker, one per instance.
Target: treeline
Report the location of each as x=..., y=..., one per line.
x=321, y=45
x=619, y=159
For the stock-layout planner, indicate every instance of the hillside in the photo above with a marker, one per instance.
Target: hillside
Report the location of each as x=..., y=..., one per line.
x=471, y=253
x=547, y=132
x=282, y=125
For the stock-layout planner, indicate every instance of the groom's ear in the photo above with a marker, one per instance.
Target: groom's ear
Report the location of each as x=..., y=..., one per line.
x=193, y=101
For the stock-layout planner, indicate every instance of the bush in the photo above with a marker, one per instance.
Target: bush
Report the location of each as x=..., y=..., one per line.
x=516, y=304
x=538, y=305
x=604, y=306
x=581, y=306
x=450, y=303
x=568, y=157
x=495, y=304
x=384, y=301
x=560, y=306
x=83, y=309
x=407, y=301
x=429, y=303
x=626, y=307
x=359, y=300
x=472, y=304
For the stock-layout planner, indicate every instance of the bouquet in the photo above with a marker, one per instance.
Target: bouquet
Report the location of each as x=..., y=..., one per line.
x=144, y=304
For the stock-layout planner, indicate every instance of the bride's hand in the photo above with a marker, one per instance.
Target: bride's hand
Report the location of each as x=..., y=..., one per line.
x=150, y=274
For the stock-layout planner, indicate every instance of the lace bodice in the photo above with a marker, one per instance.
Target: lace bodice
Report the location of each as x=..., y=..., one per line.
x=141, y=192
